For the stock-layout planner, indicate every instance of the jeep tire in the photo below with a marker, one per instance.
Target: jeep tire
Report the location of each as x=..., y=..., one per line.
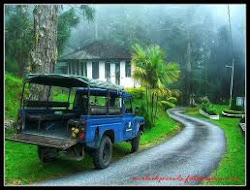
x=135, y=142
x=47, y=154
x=103, y=154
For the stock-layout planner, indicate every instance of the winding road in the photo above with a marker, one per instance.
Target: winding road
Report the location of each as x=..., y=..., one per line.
x=194, y=152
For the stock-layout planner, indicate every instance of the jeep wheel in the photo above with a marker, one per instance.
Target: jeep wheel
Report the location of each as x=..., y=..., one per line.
x=47, y=154
x=135, y=142
x=103, y=155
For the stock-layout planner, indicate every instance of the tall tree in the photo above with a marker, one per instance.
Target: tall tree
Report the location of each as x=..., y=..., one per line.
x=18, y=33
x=44, y=52
x=43, y=55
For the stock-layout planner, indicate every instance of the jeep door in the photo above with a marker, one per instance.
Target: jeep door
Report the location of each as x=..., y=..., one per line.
x=128, y=118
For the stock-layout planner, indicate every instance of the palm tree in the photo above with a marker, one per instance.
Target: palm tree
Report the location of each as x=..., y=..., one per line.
x=155, y=75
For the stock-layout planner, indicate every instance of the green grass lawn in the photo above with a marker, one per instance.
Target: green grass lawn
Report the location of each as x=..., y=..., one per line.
x=13, y=90
x=233, y=163
x=22, y=165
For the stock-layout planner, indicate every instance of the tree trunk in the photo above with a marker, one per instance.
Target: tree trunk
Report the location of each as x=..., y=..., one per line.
x=156, y=106
x=189, y=69
x=147, y=99
x=152, y=108
x=44, y=52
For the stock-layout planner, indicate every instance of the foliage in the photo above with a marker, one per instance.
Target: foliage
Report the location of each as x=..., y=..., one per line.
x=11, y=66
x=243, y=120
x=169, y=102
x=18, y=34
x=66, y=21
x=235, y=107
x=208, y=107
x=19, y=31
x=69, y=19
x=150, y=69
x=88, y=12
x=233, y=111
x=137, y=93
x=13, y=90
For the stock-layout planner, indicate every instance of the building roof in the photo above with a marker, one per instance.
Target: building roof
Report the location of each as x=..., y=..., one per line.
x=98, y=50
x=69, y=81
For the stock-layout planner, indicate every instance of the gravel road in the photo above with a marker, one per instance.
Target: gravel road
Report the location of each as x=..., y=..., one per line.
x=184, y=159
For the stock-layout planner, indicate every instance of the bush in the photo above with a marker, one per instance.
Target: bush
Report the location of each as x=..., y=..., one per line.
x=169, y=103
x=233, y=111
x=235, y=107
x=136, y=93
x=11, y=66
x=208, y=107
x=13, y=91
x=242, y=120
x=210, y=110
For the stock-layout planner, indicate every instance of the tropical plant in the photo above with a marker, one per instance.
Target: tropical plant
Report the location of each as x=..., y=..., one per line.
x=207, y=106
x=151, y=69
x=169, y=102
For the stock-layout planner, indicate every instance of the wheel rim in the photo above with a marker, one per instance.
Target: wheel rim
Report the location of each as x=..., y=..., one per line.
x=106, y=153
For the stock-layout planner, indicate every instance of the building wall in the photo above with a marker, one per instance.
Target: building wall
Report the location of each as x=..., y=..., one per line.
x=126, y=82
x=89, y=69
x=102, y=70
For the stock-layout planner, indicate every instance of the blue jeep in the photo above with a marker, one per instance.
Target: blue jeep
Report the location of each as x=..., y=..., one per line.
x=100, y=115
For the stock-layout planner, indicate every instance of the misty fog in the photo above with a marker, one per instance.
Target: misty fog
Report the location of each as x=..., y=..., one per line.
x=150, y=21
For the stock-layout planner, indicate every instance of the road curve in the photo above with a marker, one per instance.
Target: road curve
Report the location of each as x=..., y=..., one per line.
x=194, y=152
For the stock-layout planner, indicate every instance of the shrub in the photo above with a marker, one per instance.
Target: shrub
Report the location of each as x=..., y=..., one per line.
x=169, y=103
x=242, y=120
x=11, y=66
x=210, y=110
x=208, y=107
x=233, y=111
x=136, y=93
x=235, y=107
x=13, y=91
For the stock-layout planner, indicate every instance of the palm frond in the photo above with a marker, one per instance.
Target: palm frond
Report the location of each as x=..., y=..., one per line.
x=88, y=12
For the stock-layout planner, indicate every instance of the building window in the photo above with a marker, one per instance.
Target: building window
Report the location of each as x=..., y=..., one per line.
x=95, y=70
x=128, y=69
x=72, y=68
x=69, y=68
x=77, y=68
x=117, y=73
x=107, y=71
x=83, y=69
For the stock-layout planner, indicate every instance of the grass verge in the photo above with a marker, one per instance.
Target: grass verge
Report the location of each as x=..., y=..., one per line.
x=233, y=163
x=13, y=90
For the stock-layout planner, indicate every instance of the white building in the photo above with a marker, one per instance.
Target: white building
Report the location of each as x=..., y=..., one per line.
x=101, y=61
